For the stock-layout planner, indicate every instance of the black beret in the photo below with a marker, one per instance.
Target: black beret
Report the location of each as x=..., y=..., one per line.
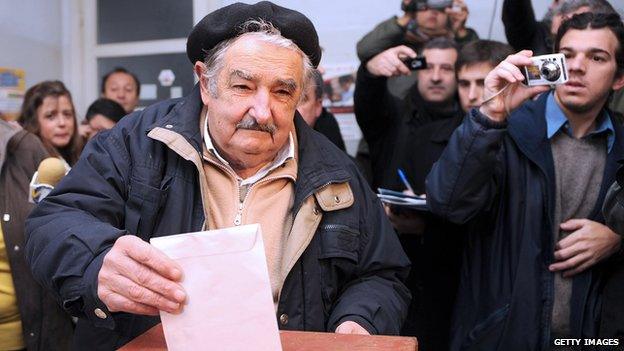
x=225, y=23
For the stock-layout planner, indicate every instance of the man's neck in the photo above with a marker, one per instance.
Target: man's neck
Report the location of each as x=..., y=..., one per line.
x=581, y=122
x=244, y=171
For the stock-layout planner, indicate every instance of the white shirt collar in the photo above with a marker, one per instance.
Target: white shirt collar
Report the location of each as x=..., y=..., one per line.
x=284, y=154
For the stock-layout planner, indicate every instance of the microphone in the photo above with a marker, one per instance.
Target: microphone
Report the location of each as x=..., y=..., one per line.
x=50, y=172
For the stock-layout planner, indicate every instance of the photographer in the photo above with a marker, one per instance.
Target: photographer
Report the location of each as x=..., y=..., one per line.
x=434, y=245
x=537, y=248
x=422, y=21
x=386, y=120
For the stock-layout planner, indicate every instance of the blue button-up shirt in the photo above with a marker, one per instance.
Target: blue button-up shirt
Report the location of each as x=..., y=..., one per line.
x=556, y=121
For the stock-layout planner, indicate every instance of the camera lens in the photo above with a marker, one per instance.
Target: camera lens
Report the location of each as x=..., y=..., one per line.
x=550, y=71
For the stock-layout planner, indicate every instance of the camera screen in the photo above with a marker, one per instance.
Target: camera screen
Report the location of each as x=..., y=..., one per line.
x=533, y=72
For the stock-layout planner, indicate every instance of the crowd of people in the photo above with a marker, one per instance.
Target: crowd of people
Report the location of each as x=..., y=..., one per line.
x=520, y=245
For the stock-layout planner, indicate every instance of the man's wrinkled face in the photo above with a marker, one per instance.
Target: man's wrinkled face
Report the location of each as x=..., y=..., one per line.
x=251, y=114
x=437, y=82
x=470, y=80
x=590, y=56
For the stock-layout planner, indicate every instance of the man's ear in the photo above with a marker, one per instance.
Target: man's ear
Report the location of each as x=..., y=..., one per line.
x=318, y=108
x=618, y=82
x=199, y=69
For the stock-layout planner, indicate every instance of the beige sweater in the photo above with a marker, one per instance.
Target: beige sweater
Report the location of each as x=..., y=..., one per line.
x=269, y=202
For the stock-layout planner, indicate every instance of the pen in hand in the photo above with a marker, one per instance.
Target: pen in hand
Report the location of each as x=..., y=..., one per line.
x=404, y=180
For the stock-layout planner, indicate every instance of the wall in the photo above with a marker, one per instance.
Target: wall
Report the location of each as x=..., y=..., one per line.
x=30, y=38
x=341, y=24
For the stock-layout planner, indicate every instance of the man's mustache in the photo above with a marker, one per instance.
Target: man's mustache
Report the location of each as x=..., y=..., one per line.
x=250, y=123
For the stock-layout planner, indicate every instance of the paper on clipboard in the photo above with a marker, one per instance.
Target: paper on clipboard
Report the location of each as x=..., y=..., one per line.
x=229, y=305
x=402, y=200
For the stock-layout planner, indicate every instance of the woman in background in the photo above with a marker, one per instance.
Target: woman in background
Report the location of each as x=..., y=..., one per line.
x=48, y=112
x=30, y=318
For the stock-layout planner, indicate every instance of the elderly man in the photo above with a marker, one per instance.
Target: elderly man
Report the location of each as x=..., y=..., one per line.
x=233, y=152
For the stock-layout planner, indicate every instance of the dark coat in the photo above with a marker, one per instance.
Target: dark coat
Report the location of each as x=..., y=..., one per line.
x=612, y=318
x=379, y=116
x=436, y=253
x=501, y=176
x=127, y=182
x=391, y=126
x=327, y=125
x=44, y=323
x=523, y=31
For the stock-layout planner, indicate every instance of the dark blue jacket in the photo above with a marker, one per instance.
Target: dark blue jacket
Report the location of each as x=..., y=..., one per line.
x=499, y=178
x=127, y=182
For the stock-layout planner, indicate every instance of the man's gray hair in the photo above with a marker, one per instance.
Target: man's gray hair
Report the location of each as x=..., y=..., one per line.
x=261, y=30
x=317, y=80
x=595, y=6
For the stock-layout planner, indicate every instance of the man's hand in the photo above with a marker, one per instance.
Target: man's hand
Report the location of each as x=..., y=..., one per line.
x=458, y=14
x=85, y=131
x=406, y=222
x=589, y=243
x=137, y=278
x=349, y=327
x=496, y=102
x=405, y=19
x=388, y=63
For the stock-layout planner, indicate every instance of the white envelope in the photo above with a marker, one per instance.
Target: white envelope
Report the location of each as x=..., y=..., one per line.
x=230, y=305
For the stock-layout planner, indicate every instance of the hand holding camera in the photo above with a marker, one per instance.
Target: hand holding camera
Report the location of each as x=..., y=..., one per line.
x=502, y=91
x=389, y=62
x=458, y=14
x=546, y=70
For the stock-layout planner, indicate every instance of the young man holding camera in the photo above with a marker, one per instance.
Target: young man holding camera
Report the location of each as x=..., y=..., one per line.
x=531, y=185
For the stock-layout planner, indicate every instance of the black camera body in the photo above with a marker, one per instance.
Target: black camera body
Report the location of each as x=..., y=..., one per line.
x=416, y=63
x=421, y=5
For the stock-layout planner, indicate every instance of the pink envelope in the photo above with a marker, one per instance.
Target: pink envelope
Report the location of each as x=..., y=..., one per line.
x=230, y=306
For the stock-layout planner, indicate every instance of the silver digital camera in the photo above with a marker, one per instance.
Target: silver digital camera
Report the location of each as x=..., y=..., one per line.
x=546, y=70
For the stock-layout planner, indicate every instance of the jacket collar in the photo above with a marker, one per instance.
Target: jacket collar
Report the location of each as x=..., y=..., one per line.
x=183, y=118
x=528, y=129
x=320, y=163
x=557, y=121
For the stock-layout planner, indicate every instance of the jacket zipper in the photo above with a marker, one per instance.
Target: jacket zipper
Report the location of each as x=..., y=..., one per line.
x=238, y=219
x=241, y=204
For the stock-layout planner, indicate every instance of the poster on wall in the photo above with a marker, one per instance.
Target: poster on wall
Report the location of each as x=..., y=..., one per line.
x=338, y=88
x=12, y=89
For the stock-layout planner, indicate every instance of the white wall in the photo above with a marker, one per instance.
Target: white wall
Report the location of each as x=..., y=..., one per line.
x=341, y=23
x=30, y=38
x=45, y=37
